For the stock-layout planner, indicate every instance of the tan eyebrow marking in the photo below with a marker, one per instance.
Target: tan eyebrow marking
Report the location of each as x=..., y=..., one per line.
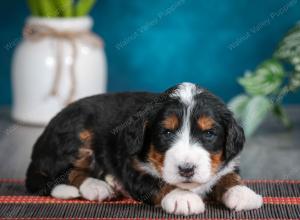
x=205, y=122
x=171, y=122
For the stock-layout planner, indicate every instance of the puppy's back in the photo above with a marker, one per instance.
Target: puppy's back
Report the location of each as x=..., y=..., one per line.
x=58, y=144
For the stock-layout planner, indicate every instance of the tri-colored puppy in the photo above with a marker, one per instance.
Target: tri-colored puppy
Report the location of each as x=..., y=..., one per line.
x=170, y=149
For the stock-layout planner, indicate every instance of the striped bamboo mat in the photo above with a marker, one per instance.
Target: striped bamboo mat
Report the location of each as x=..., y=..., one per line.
x=281, y=201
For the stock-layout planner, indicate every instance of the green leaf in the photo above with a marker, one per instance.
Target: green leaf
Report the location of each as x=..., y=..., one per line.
x=266, y=79
x=83, y=7
x=282, y=116
x=48, y=8
x=64, y=7
x=33, y=6
x=289, y=47
x=255, y=112
x=238, y=104
x=294, y=81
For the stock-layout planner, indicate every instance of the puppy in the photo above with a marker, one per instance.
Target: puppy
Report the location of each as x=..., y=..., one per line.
x=170, y=149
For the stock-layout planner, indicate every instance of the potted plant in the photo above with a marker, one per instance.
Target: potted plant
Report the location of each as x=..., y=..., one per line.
x=58, y=61
x=266, y=87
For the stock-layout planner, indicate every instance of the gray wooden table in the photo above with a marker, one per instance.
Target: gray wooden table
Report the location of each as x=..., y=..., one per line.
x=273, y=153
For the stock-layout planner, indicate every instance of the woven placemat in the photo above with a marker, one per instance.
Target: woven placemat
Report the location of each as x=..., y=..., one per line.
x=281, y=201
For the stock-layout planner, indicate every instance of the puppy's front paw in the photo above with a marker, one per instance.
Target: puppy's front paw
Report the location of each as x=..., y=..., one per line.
x=182, y=202
x=242, y=198
x=94, y=189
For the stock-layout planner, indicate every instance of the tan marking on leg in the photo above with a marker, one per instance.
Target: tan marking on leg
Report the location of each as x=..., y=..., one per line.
x=225, y=183
x=85, y=136
x=164, y=190
x=82, y=164
x=205, y=122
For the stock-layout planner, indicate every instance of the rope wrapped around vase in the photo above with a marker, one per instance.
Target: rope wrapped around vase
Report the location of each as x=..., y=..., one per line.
x=39, y=32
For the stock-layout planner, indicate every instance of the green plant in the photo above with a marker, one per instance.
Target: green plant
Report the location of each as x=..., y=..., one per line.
x=266, y=86
x=60, y=8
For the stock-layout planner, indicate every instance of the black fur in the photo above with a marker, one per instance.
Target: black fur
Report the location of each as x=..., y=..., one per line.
x=123, y=126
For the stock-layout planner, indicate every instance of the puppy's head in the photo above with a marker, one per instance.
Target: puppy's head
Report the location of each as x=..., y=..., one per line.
x=188, y=137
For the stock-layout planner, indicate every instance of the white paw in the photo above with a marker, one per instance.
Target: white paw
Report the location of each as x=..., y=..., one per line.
x=63, y=191
x=182, y=202
x=94, y=189
x=242, y=198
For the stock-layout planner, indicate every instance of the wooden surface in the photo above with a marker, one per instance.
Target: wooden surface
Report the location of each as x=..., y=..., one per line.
x=273, y=153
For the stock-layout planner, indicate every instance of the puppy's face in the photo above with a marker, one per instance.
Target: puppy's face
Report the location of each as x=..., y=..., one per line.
x=189, y=137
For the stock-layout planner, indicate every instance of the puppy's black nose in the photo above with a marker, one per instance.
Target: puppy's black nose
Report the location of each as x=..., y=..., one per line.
x=186, y=170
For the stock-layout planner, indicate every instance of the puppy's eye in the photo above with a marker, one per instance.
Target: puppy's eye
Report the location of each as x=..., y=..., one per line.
x=209, y=135
x=168, y=132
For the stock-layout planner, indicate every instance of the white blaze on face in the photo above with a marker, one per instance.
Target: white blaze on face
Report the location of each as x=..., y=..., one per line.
x=183, y=150
x=186, y=92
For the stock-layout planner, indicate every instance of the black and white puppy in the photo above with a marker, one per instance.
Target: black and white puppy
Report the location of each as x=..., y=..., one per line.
x=170, y=149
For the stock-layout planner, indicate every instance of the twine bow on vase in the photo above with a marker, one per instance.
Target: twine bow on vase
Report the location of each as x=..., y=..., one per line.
x=38, y=32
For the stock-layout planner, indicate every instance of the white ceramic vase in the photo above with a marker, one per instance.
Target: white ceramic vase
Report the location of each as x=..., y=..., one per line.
x=36, y=62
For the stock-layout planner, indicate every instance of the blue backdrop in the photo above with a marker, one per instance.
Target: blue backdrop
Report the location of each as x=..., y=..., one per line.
x=152, y=44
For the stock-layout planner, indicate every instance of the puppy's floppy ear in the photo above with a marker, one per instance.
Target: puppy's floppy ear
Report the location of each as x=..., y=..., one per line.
x=133, y=134
x=235, y=139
